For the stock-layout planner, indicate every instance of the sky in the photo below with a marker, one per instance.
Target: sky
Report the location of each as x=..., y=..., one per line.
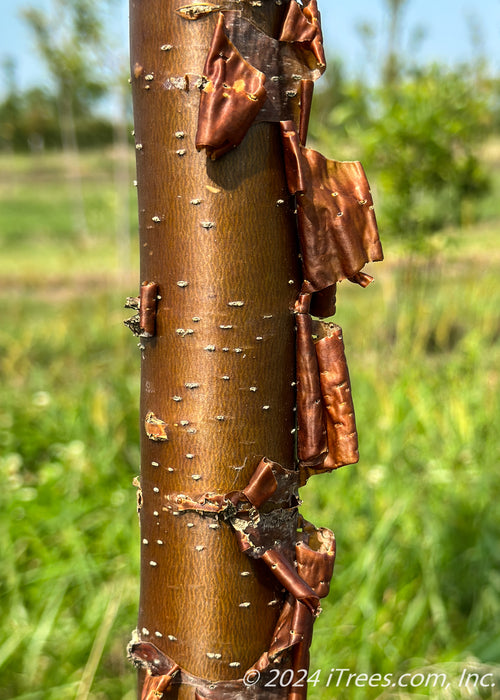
x=445, y=24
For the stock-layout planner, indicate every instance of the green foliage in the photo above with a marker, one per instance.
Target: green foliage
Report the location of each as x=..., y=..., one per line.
x=69, y=562
x=418, y=138
x=340, y=104
x=422, y=147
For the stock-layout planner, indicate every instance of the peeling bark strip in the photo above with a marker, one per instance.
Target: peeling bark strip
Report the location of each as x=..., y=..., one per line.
x=302, y=27
x=143, y=323
x=306, y=95
x=270, y=483
x=155, y=686
x=233, y=92
x=336, y=219
x=231, y=575
x=311, y=439
x=288, y=67
x=327, y=437
x=336, y=391
x=147, y=308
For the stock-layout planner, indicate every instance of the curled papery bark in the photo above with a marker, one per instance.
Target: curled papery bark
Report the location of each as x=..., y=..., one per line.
x=337, y=398
x=232, y=95
x=311, y=442
x=336, y=218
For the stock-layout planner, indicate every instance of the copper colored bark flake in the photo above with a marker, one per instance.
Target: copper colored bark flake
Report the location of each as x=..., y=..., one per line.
x=315, y=557
x=271, y=483
x=302, y=27
x=311, y=437
x=362, y=279
x=294, y=626
x=156, y=429
x=324, y=302
x=143, y=324
x=253, y=57
x=327, y=436
x=336, y=391
x=231, y=96
x=147, y=308
x=295, y=173
x=324, y=398
x=279, y=62
x=337, y=226
x=287, y=575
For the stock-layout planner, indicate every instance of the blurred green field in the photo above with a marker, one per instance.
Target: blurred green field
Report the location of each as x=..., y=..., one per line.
x=417, y=582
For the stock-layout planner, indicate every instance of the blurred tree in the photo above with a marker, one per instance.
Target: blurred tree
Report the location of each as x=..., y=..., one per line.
x=29, y=121
x=9, y=109
x=391, y=64
x=9, y=69
x=422, y=145
x=71, y=41
x=339, y=104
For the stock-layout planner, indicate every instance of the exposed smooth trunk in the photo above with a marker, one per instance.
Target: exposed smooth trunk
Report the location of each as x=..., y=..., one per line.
x=219, y=240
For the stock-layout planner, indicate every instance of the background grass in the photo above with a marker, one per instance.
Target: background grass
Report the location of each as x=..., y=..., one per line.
x=417, y=581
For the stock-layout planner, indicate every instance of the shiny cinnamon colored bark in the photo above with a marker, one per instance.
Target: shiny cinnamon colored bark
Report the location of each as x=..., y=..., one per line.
x=219, y=240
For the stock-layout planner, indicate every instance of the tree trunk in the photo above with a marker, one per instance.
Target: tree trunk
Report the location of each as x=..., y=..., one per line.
x=230, y=575
x=220, y=242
